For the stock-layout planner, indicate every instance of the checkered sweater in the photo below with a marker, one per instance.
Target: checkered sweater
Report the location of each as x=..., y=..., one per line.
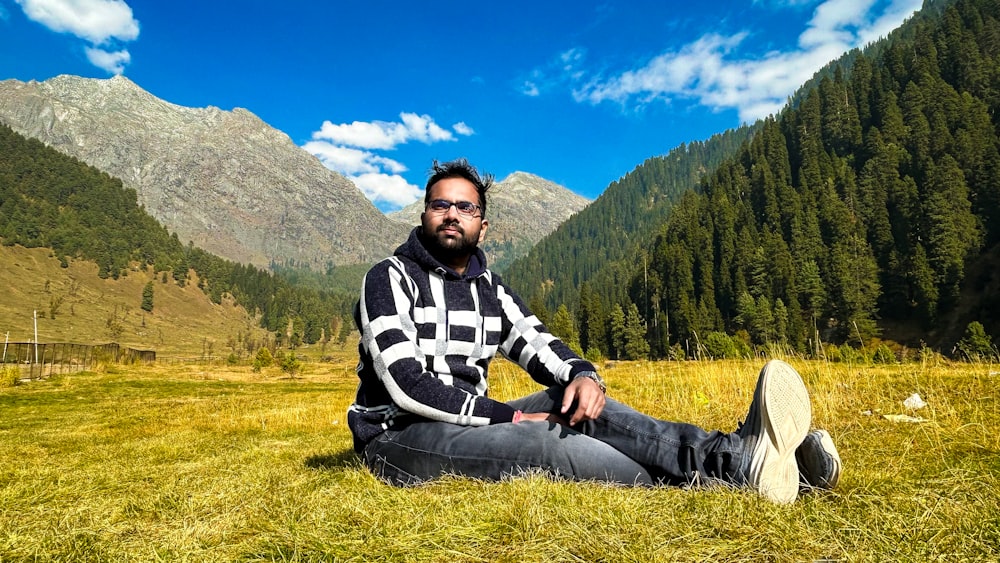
x=428, y=335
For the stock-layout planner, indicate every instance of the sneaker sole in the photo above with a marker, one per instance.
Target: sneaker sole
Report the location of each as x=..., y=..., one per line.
x=785, y=414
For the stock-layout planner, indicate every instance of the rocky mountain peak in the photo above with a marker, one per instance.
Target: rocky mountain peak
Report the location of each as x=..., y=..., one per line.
x=224, y=180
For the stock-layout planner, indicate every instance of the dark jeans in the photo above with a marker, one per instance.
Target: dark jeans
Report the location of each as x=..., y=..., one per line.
x=622, y=446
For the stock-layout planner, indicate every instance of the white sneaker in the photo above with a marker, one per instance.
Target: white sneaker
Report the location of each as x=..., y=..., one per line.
x=818, y=461
x=777, y=422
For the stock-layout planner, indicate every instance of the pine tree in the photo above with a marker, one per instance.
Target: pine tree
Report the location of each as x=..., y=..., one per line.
x=811, y=290
x=976, y=345
x=537, y=306
x=780, y=321
x=562, y=327
x=855, y=288
x=763, y=327
x=636, y=346
x=952, y=229
x=618, y=332
x=592, y=322
x=147, y=297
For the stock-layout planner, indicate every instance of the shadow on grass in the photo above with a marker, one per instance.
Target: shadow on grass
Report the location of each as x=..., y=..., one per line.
x=340, y=460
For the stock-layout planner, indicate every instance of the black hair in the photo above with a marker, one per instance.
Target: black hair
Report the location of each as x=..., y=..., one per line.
x=460, y=168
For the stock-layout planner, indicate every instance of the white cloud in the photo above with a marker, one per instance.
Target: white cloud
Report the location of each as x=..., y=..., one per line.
x=462, y=129
x=385, y=134
x=105, y=24
x=422, y=128
x=112, y=62
x=710, y=72
x=350, y=148
x=351, y=161
x=393, y=190
x=374, y=135
x=96, y=21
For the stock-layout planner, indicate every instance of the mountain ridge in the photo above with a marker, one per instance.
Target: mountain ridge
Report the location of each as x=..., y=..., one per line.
x=223, y=180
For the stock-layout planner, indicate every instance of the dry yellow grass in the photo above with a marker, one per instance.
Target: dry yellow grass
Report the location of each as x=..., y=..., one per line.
x=184, y=322
x=211, y=463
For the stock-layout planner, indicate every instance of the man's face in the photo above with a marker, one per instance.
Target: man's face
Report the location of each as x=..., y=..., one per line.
x=452, y=234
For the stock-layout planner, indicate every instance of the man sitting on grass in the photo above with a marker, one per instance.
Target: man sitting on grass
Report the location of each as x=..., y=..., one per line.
x=433, y=316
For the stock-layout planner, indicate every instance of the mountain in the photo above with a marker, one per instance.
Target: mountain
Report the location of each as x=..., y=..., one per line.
x=78, y=213
x=522, y=208
x=224, y=180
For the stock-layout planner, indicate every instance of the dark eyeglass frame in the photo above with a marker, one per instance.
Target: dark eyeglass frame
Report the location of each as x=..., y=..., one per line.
x=464, y=208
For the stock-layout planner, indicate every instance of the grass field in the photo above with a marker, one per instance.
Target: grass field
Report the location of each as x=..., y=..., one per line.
x=215, y=463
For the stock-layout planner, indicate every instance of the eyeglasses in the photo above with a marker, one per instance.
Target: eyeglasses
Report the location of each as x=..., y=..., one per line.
x=466, y=208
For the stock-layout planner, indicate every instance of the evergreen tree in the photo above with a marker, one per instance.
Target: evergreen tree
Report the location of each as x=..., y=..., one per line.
x=811, y=290
x=855, y=289
x=618, y=332
x=976, y=345
x=781, y=323
x=635, y=344
x=951, y=229
x=147, y=297
x=537, y=306
x=562, y=327
x=746, y=311
x=763, y=327
x=592, y=322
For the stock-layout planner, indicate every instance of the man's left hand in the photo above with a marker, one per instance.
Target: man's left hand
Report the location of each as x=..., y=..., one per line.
x=589, y=400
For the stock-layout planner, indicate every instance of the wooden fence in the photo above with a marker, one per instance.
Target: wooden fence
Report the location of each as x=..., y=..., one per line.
x=38, y=360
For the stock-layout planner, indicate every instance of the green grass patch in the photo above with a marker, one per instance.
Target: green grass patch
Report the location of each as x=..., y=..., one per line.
x=10, y=375
x=212, y=463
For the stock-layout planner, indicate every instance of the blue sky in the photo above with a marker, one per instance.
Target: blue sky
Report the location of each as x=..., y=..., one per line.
x=577, y=92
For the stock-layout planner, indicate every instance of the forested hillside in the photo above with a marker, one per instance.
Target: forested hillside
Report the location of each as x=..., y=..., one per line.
x=860, y=211
x=604, y=239
x=51, y=200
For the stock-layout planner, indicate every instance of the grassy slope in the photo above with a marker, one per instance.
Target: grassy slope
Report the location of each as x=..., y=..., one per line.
x=183, y=321
x=217, y=464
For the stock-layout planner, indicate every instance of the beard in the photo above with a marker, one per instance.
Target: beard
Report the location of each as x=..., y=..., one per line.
x=447, y=247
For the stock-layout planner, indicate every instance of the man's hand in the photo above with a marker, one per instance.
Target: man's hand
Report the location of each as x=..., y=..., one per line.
x=589, y=400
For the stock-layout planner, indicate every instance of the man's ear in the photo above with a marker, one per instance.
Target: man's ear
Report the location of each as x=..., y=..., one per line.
x=482, y=231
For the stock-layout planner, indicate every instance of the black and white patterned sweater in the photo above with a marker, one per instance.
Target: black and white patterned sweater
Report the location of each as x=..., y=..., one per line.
x=428, y=335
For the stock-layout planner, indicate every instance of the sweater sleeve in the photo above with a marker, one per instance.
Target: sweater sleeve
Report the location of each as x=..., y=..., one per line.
x=389, y=337
x=526, y=341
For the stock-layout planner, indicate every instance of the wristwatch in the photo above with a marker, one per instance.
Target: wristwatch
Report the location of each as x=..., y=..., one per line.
x=592, y=375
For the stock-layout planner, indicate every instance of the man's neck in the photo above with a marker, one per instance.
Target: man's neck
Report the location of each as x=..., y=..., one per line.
x=459, y=264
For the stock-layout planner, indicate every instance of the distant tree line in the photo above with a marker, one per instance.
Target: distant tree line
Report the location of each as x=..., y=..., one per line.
x=48, y=199
x=867, y=202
